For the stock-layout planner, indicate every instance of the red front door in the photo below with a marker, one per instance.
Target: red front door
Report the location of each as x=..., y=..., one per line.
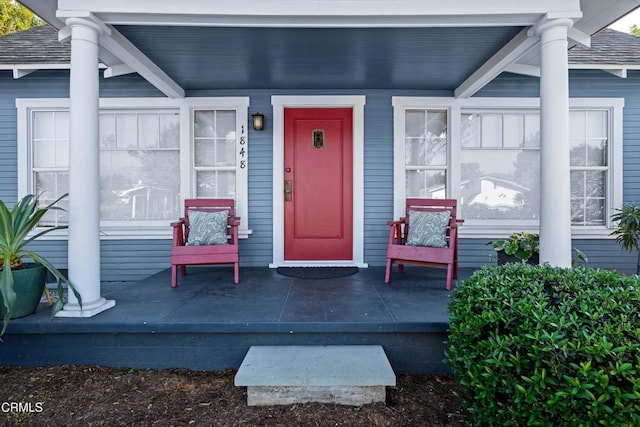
x=318, y=162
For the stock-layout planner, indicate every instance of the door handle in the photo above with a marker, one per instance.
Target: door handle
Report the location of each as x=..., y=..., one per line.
x=288, y=190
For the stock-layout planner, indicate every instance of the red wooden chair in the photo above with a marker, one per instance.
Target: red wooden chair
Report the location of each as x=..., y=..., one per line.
x=398, y=252
x=224, y=251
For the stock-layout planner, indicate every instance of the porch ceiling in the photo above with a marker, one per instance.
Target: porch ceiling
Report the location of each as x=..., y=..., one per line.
x=318, y=58
x=455, y=46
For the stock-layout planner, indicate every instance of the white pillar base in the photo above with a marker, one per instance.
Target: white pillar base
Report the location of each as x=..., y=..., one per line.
x=88, y=310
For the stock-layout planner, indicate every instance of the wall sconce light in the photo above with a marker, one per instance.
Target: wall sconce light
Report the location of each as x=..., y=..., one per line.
x=258, y=121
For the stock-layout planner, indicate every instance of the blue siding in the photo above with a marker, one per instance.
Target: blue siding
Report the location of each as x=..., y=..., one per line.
x=132, y=260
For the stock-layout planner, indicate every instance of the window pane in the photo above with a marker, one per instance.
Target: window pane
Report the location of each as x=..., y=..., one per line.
x=205, y=152
x=107, y=131
x=588, y=190
x=577, y=125
x=139, y=185
x=500, y=184
x=203, y=126
x=577, y=211
x=62, y=124
x=170, y=130
x=62, y=153
x=49, y=186
x=470, y=125
x=43, y=125
x=216, y=184
x=597, y=152
x=595, y=184
x=148, y=130
x=595, y=212
x=577, y=153
x=430, y=146
x=437, y=123
x=225, y=152
x=532, y=130
x=44, y=155
x=414, y=123
x=426, y=183
x=596, y=124
x=127, y=130
x=226, y=124
x=491, y=130
x=578, y=184
x=513, y=130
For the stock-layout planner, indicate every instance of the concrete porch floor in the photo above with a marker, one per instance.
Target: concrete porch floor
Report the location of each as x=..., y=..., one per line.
x=207, y=322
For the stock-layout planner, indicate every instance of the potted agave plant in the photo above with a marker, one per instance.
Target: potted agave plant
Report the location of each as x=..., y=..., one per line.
x=22, y=283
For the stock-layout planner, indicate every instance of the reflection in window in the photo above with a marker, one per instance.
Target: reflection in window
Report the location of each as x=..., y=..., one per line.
x=139, y=165
x=426, y=153
x=500, y=166
x=50, y=133
x=588, y=139
x=215, y=153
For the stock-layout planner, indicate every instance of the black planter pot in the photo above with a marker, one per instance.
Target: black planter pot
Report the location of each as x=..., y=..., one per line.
x=28, y=283
x=503, y=258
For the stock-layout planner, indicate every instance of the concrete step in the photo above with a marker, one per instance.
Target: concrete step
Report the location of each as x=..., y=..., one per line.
x=342, y=374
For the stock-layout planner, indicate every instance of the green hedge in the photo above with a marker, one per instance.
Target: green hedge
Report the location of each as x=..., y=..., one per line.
x=544, y=346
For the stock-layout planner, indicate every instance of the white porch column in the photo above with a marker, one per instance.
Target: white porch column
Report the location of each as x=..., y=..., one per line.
x=555, y=186
x=84, y=173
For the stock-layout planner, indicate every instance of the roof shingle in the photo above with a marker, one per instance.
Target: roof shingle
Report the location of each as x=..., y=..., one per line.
x=608, y=47
x=38, y=45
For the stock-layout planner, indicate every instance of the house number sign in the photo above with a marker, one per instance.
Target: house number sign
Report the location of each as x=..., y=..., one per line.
x=243, y=150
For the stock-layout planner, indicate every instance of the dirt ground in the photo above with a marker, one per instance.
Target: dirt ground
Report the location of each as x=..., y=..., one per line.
x=97, y=396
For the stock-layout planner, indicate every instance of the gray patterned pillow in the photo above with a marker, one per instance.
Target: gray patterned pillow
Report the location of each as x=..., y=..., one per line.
x=207, y=228
x=428, y=228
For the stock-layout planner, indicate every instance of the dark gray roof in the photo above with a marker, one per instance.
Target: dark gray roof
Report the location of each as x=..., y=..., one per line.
x=38, y=45
x=41, y=45
x=608, y=47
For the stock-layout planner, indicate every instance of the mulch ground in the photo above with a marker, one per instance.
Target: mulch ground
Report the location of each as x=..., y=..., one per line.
x=97, y=396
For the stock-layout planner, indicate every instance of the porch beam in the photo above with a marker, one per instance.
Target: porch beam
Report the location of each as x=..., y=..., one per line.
x=117, y=45
x=522, y=43
x=498, y=63
x=334, y=13
x=84, y=172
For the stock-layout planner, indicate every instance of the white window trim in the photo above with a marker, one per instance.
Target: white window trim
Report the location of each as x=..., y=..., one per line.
x=455, y=107
x=186, y=106
x=241, y=106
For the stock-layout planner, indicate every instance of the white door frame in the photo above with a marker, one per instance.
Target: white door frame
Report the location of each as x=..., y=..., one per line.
x=279, y=103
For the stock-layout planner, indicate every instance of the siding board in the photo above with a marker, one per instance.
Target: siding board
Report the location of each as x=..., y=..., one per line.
x=133, y=260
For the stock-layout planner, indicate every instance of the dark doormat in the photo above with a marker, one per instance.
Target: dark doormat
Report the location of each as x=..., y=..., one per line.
x=317, y=272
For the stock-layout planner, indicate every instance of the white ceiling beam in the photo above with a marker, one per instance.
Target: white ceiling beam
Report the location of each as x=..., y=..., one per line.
x=118, y=70
x=579, y=37
x=620, y=72
x=130, y=55
x=118, y=46
x=506, y=56
x=524, y=69
x=18, y=73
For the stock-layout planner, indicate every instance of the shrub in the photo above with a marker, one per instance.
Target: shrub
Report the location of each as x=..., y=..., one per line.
x=545, y=346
